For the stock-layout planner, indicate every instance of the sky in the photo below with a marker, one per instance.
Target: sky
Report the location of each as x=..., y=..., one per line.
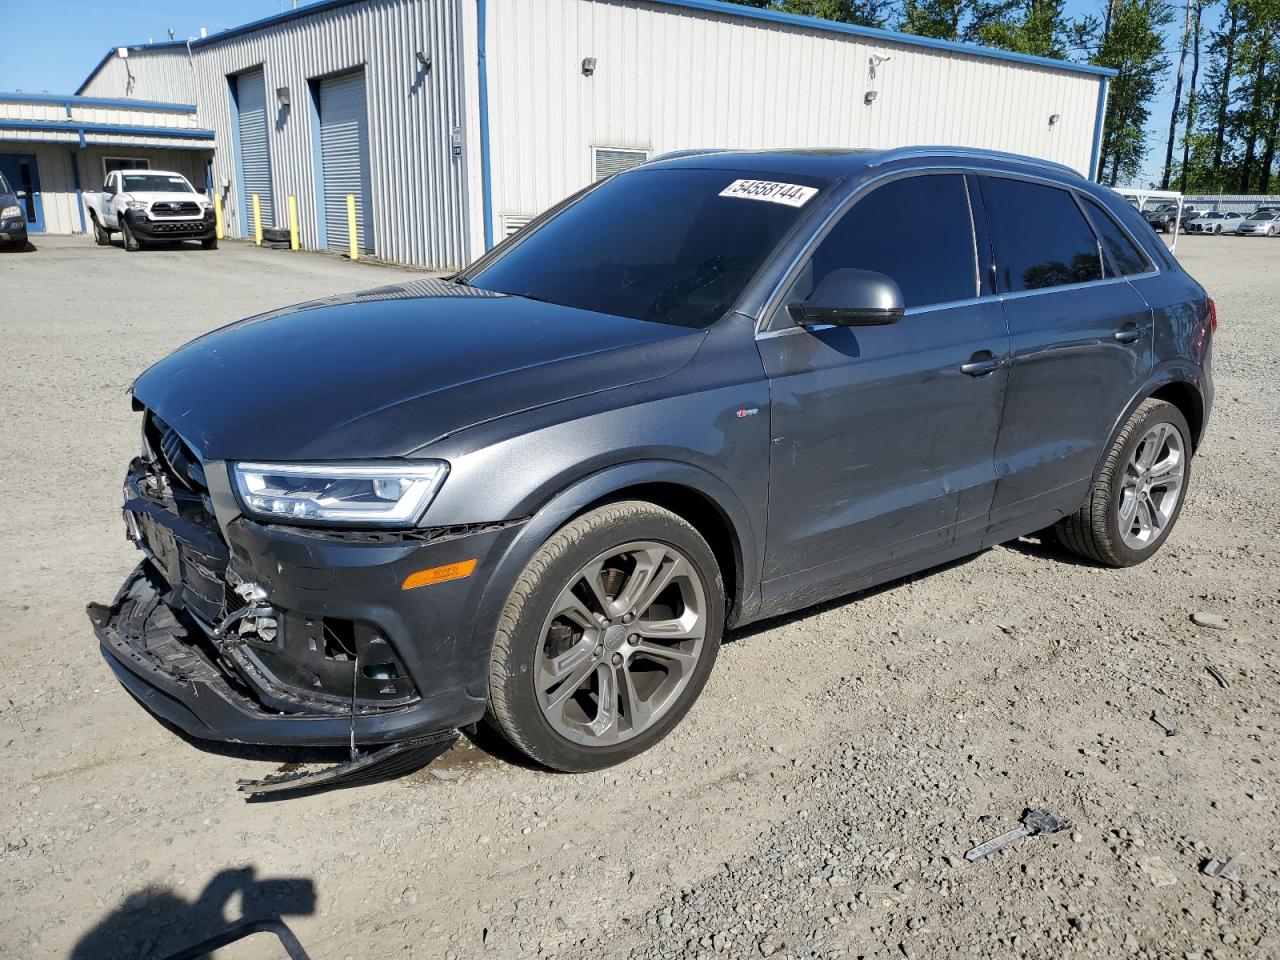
x=62, y=40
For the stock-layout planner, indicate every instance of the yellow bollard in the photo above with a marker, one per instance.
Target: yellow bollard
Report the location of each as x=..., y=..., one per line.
x=217, y=216
x=351, y=226
x=293, y=223
x=257, y=220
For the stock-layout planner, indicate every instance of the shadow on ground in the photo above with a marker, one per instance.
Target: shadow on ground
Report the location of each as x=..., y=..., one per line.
x=156, y=922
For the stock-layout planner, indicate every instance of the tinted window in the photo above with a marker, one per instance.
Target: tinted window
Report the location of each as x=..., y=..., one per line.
x=1041, y=237
x=1121, y=252
x=660, y=245
x=916, y=230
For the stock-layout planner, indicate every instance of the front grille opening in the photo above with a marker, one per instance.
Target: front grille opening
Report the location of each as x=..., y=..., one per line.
x=339, y=640
x=170, y=453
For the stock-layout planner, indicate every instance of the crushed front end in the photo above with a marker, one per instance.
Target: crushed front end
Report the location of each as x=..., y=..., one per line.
x=238, y=630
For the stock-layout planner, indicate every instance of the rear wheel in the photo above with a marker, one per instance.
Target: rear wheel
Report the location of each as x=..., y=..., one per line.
x=608, y=638
x=1137, y=497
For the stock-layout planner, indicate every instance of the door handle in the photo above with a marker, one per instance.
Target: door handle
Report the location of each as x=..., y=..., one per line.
x=981, y=363
x=1127, y=334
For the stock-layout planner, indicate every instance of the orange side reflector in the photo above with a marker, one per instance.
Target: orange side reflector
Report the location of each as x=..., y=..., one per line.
x=450, y=571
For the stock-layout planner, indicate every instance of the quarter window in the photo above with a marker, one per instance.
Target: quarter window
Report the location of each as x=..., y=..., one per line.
x=1122, y=255
x=1041, y=237
x=917, y=230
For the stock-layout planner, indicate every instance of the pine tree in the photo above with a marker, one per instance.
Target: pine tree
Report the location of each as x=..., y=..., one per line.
x=1037, y=27
x=866, y=13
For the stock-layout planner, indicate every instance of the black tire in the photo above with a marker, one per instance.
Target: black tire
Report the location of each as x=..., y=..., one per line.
x=210, y=244
x=513, y=711
x=1093, y=531
x=131, y=243
x=101, y=236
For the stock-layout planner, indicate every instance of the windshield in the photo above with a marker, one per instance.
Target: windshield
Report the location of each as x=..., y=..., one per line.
x=156, y=183
x=673, y=246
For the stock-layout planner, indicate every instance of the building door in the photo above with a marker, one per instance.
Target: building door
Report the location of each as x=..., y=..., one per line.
x=23, y=175
x=344, y=159
x=255, y=151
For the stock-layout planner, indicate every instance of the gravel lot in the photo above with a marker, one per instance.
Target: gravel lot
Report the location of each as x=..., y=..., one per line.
x=816, y=803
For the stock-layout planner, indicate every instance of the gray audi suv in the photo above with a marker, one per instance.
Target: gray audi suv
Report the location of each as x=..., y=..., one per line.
x=709, y=390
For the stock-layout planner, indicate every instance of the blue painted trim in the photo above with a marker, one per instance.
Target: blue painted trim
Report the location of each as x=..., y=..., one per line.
x=75, y=176
x=54, y=126
x=317, y=165
x=486, y=163
x=242, y=209
x=1099, y=122
x=79, y=101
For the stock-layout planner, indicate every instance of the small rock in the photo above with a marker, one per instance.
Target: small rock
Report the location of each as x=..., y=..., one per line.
x=1231, y=869
x=1130, y=943
x=1157, y=872
x=410, y=895
x=1211, y=621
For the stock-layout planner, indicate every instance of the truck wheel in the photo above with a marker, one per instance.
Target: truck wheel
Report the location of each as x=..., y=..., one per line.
x=130, y=241
x=1137, y=497
x=101, y=236
x=607, y=639
x=209, y=244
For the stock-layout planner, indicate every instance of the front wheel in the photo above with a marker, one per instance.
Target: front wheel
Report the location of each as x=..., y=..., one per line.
x=607, y=639
x=1138, y=495
x=209, y=243
x=131, y=242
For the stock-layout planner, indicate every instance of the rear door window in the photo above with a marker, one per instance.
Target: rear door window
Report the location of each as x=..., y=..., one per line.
x=1041, y=238
x=917, y=230
x=1124, y=258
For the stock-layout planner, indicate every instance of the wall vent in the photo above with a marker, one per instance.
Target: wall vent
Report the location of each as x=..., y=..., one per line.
x=610, y=160
x=513, y=224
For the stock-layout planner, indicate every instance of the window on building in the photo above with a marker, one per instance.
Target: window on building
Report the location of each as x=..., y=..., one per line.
x=917, y=230
x=111, y=164
x=1041, y=238
x=1123, y=257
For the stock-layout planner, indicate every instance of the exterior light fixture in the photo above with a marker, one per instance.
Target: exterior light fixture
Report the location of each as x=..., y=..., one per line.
x=424, y=60
x=588, y=66
x=1054, y=118
x=870, y=97
x=282, y=96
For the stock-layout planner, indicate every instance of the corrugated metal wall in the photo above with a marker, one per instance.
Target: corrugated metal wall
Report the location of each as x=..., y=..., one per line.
x=669, y=78
x=165, y=74
x=419, y=198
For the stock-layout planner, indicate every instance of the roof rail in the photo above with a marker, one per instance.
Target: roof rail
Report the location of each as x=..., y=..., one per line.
x=973, y=153
x=691, y=152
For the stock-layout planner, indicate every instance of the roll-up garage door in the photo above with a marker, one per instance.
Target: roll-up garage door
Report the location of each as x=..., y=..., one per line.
x=344, y=156
x=255, y=153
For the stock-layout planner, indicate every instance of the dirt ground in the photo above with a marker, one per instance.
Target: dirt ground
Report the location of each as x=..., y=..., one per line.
x=818, y=800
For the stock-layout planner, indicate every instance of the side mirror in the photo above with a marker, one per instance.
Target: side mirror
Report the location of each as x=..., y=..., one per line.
x=850, y=298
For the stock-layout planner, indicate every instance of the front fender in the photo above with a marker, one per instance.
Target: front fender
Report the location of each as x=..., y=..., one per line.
x=572, y=501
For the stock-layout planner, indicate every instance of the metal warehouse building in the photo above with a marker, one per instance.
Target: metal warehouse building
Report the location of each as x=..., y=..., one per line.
x=452, y=122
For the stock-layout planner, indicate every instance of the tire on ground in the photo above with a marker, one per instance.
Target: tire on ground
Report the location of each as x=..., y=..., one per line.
x=513, y=710
x=1093, y=531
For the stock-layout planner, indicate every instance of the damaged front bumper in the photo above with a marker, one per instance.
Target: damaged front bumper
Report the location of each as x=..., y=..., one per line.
x=292, y=637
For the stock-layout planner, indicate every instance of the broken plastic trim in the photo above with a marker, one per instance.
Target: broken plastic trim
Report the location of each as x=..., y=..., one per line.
x=390, y=761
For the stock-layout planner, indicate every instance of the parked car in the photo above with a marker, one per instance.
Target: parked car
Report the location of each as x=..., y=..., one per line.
x=13, y=222
x=1260, y=225
x=147, y=206
x=697, y=394
x=1163, y=217
x=1215, y=222
x=1258, y=212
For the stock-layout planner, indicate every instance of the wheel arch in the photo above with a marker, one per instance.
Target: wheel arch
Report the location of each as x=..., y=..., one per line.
x=697, y=496
x=1177, y=383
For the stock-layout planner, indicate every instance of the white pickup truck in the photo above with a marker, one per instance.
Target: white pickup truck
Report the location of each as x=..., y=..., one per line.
x=151, y=206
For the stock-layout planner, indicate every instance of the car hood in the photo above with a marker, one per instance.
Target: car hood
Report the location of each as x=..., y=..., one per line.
x=385, y=372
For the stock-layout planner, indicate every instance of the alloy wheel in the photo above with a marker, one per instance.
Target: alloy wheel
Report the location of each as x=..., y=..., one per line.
x=621, y=643
x=1151, y=486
